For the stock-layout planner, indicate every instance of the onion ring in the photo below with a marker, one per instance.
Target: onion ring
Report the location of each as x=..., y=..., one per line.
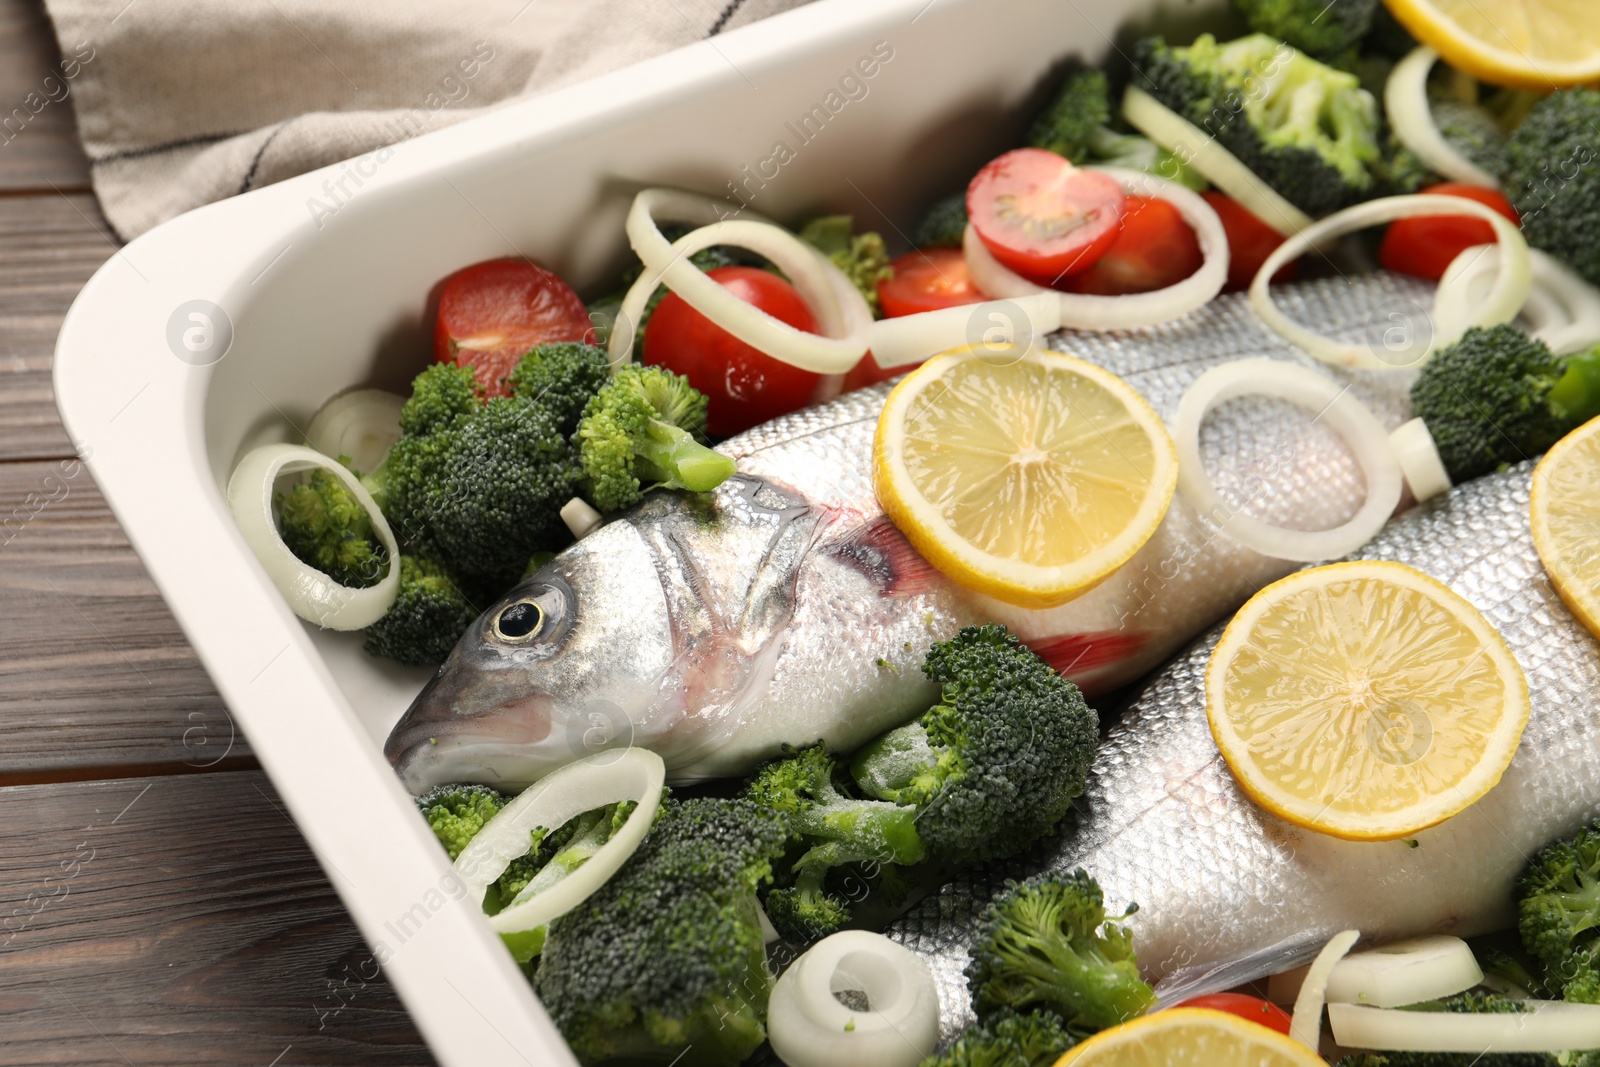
x=908, y=339
x=313, y=595
x=361, y=425
x=1563, y=310
x=1504, y=301
x=1308, y=389
x=1086, y=312
x=840, y=309
x=635, y=774
x=810, y=1027
x=1219, y=166
x=1405, y=972
x=1414, y=449
x=1405, y=103
x=1546, y=1026
x=1306, y=1024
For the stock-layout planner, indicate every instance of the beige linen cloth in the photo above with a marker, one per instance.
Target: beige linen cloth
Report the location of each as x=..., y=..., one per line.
x=182, y=102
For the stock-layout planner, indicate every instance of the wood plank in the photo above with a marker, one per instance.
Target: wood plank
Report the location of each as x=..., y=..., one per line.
x=179, y=920
x=39, y=147
x=49, y=247
x=94, y=672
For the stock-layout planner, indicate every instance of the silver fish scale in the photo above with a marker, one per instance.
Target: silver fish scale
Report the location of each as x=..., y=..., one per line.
x=1228, y=892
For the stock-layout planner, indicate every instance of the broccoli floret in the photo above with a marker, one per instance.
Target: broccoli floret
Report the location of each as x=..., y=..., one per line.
x=326, y=527
x=1009, y=1039
x=1307, y=130
x=643, y=430
x=1321, y=28
x=1047, y=943
x=944, y=224
x=428, y=617
x=669, y=954
x=1076, y=124
x=863, y=257
x=456, y=813
x=1554, y=178
x=1399, y=170
x=995, y=765
x=1558, y=913
x=835, y=829
x=1503, y=970
x=477, y=485
x=1473, y=132
x=1498, y=396
x=562, y=377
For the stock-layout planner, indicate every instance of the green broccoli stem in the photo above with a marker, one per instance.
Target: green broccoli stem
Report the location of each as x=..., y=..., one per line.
x=671, y=456
x=1575, y=398
x=894, y=762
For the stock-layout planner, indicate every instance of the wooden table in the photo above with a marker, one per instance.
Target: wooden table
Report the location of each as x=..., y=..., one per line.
x=158, y=905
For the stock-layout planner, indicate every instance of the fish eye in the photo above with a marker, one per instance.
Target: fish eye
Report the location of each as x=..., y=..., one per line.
x=519, y=621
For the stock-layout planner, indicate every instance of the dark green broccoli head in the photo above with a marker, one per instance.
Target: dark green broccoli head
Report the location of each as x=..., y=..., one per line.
x=438, y=395
x=1047, y=943
x=1009, y=1039
x=944, y=224
x=669, y=954
x=1473, y=132
x=429, y=615
x=1558, y=913
x=1307, y=130
x=805, y=913
x=1069, y=123
x=326, y=527
x=995, y=765
x=644, y=429
x=456, y=813
x=1322, y=28
x=563, y=377
x=1554, y=178
x=1498, y=396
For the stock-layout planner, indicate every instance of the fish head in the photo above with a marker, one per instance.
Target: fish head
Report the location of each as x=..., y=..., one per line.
x=568, y=663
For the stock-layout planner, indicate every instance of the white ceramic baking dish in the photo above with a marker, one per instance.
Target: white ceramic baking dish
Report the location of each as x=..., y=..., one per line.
x=304, y=293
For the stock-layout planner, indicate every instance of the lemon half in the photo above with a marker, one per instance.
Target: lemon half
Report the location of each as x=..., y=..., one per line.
x=1525, y=44
x=1364, y=700
x=1564, y=509
x=1027, y=475
x=1190, y=1037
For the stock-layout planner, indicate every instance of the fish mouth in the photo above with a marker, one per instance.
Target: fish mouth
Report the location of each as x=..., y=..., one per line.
x=434, y=743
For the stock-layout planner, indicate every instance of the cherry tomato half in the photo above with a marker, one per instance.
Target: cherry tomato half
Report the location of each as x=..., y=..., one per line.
x=744, y=386
x=1245, y=1007
x=491, y=313
x=1425, y=246
x=1041, y=216
x=1250, y=242
x=927, y=280
x=1154, y=248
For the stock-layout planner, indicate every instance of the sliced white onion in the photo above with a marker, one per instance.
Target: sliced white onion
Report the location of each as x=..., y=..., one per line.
x=909, y=339
x=595, y=781
x=362, y=424
x=1219, y=166
x=313, y=595
x=1547, y=1026
x=1331, y=402
x=1562, y=309
x=840, y=310
x=810, y=1027
x=1087, y=312
x=1305, y=1026
x=581, y=518
x=1405, y=102
x=1414, y=449
x=1405, y=972
x=1510, y=290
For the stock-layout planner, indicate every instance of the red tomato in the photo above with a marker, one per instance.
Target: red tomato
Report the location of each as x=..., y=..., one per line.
x=1250, y=242
x=1425, y=246
x=867, y=372
x=1245, y=1007
x=743, y=385
x=927, y=280
x=1041, y=216
x=1154, y=248
x=491, y=313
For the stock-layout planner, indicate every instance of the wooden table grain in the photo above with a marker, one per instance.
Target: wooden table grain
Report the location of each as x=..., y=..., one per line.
x=157, y=906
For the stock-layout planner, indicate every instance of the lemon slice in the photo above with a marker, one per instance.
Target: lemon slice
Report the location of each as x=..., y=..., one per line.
x=1190, y=1037
x=1364, y=700
x=1526, y=44
x=1565, y=512
x=1023, y=474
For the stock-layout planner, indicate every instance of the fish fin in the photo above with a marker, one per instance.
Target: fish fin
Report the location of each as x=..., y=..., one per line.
x=1197, y=980
x=1081, y=653
x=882, y=553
